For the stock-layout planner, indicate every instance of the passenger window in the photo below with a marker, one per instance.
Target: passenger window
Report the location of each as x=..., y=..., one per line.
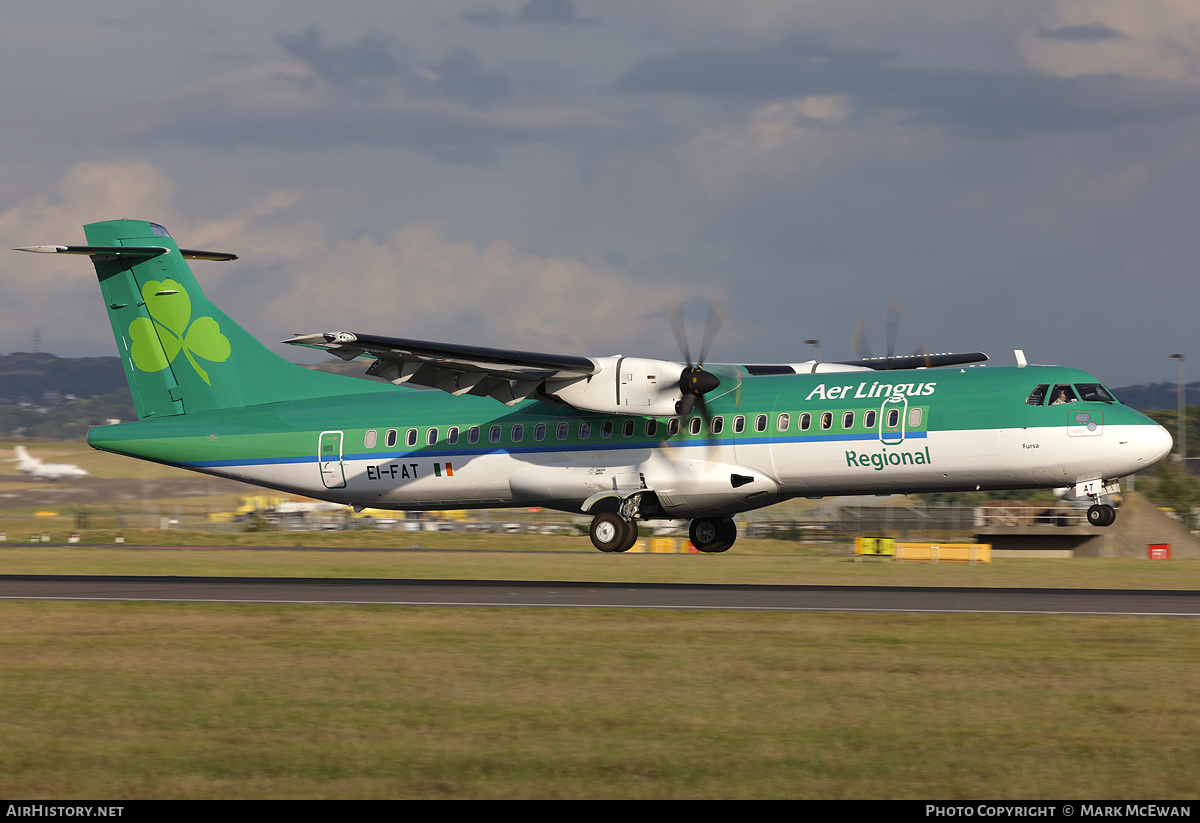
x=848, y=420
x=563, y=430
x=518, y=432
x=473, y=434
x=1038, y=396
x=869, y=419
x=739, y=424
x=452, y=435
x=585, y=430
x=369, y=440
x=494, y=434
x=783, y=421
x=914, y=418
x=606, y=428
x=760, y=423
x=826, y=420
x=673, y=427
x=431, y=437
x=718, y=423
x=391, y=438
x=628, y=428
x=893, y=418
x=1062, y=394
x=805, y=421
x=410, y=439
x=651, y=427
x=695, y=424
x=539, y=432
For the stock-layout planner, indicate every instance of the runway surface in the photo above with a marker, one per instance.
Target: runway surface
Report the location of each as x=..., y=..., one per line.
x=493, y=593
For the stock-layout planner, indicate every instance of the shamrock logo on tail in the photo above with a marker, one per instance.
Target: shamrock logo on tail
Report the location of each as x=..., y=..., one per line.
x=154, y=349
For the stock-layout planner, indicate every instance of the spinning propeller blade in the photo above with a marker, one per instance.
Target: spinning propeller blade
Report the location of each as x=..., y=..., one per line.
x=695, y=381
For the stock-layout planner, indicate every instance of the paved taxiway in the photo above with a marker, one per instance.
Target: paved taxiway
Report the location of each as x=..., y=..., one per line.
x=460, y=593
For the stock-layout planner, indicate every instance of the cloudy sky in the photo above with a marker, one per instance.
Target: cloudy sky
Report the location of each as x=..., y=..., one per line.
x=552, y=174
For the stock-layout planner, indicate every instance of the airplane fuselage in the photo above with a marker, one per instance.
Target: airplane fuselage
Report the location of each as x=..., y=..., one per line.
x=769, y=439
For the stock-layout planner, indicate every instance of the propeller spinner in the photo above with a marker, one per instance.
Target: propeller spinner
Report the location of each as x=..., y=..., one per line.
x=694, y=381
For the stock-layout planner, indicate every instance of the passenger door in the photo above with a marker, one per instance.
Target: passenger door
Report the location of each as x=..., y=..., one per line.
x=892, y=416
x=329, y=456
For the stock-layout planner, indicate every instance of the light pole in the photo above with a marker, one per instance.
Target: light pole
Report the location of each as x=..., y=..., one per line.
x=1181, y=421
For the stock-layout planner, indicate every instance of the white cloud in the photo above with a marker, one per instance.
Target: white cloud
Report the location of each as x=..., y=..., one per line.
x=1158, y=39
x=786, y=139
x=416, y=282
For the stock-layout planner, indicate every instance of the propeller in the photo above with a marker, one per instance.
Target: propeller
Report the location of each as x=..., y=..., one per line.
x=694, y=381
x=920, y=357
x=858, y=339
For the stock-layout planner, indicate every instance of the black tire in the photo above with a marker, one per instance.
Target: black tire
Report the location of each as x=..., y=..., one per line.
x=728, y=533
x=631, y=536
x=610, y=532
x=712, y=534
x=1099, y=515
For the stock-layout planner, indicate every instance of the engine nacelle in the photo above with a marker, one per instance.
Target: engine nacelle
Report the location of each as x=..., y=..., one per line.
x=623, y=385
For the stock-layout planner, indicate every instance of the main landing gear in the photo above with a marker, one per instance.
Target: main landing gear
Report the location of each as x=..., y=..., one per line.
x=1102, y=515
x=610, y=532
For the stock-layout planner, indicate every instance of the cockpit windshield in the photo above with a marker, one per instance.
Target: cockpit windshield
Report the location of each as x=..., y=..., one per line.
x=1066, y=393
x=1094, y=393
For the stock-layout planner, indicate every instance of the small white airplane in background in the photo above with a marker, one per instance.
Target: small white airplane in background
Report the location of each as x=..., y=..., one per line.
x=34, y=467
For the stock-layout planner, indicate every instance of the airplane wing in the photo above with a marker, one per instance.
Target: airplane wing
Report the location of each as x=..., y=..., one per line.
x=507, y=375
x=609, y=385
x=918, y=361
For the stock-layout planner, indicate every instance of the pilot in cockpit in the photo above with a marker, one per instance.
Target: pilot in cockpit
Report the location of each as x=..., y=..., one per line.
x=1062, y=394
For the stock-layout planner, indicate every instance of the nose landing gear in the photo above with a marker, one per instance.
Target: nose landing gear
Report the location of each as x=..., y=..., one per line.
x=1101, y=515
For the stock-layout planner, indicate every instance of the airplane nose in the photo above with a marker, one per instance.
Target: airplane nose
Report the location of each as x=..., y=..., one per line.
x=1151, y=444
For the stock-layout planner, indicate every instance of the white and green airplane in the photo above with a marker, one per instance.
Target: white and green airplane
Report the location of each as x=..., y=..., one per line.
x=624, y=439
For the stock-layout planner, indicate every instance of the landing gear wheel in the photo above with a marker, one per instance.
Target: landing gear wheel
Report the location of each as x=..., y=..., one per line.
x=631, y=536
x=1102, y=515
x=712, y=534
x=612, y=533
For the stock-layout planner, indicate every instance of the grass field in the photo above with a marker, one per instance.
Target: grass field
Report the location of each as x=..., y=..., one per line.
x=131, y=701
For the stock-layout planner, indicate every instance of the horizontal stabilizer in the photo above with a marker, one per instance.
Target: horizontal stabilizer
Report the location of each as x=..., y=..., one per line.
x=127, y=251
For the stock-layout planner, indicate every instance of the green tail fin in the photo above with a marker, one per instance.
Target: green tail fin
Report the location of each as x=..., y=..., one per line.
x=181, y=353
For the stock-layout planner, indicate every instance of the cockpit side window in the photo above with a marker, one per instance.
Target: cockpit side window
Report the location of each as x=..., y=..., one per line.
x=1038, y=396
x=1062, y=394
x=1094, y=393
